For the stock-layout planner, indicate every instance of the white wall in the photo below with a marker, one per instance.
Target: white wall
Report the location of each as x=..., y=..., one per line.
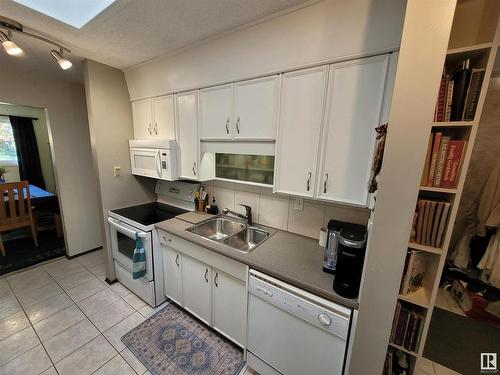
x=67, y=117
x=110, y=120
x=324, y=31
x=42, y=140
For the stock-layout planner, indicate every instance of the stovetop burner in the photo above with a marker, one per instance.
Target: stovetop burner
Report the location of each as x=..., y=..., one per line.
x=149, y=213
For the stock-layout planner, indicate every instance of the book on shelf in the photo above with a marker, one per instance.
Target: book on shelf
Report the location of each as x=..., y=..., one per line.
x=396, y=362
x=443, y=161
x=414, y=272
x=461, y=80
x=441, y=101
x=443, y=149
x=459, y=93
x=473, y=92
x=449, y=95
x=406, y=327
x=453, y=163
x=434, y=157
x=430, y=224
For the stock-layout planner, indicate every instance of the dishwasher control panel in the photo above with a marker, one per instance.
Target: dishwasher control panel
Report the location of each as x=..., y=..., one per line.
x=297, y=305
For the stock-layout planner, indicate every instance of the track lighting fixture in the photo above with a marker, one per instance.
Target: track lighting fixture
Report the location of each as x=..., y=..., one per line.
x=10, y=47
x=58, y=56
x=11, y=26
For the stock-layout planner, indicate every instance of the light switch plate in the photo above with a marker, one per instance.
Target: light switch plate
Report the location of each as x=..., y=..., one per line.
x=299, y=204
x=117, y=171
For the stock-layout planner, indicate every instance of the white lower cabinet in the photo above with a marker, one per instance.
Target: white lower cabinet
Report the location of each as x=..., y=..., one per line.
x=229, y=306
x=209, y=285
x=172, y=272
x=196, y=280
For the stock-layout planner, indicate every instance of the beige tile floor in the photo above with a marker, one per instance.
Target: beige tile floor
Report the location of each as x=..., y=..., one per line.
x=427, y=367
x=63, y=318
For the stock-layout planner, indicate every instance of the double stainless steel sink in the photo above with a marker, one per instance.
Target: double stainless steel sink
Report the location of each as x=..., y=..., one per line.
x=232, y=232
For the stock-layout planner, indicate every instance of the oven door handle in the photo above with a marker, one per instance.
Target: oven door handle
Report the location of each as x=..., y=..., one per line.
x=127, y=231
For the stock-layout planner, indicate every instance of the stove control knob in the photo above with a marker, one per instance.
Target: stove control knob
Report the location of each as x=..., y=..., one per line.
x=324, y=319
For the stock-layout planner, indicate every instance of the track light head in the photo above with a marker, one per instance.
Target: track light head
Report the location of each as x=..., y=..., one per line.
x=10, y=47
x=63, y=63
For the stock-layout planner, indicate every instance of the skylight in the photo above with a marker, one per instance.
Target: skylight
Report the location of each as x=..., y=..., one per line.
x=73, y=12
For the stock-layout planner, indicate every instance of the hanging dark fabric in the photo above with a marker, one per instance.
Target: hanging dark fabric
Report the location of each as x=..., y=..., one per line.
x=28, y=157
x=379, y=156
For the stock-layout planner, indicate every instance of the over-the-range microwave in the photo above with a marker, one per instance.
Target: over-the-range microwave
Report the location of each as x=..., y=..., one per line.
x=156, y=158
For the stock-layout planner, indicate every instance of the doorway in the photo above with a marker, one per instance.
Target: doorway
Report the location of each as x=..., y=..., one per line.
x=36, y=233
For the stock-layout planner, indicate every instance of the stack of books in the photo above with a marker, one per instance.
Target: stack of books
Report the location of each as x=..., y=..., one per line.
x=430, y=222
x=459, y=94
x=406, y=327
x=443, y=161
x=414, y=272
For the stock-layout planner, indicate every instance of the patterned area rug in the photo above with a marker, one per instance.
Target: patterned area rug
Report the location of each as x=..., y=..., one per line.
x=174, y=342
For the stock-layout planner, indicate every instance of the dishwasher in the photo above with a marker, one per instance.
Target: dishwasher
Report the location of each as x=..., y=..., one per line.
x=293, y=332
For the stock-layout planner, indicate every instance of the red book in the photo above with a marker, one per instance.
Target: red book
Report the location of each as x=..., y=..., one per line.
x=451, y=172
x=440, y=107
x=434, y=158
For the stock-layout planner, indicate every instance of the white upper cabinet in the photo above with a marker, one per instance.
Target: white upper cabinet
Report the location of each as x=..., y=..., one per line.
x=216, y=113
x=255, y=109
x=301, y=117
x=154, y=118
x=354, y=104
x=142, y=117
x=186, y=112
x=163, y=114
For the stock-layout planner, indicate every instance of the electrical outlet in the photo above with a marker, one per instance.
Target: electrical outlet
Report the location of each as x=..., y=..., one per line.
x=117, y=171
x=299, y=204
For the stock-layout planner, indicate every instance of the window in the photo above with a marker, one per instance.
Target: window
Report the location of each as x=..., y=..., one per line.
x=256, y=169
x=8, y=153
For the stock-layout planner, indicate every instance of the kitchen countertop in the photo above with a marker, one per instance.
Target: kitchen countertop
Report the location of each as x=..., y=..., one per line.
x=289, y=257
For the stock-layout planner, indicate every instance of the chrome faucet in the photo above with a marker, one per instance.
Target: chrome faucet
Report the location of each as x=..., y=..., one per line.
x=247, y=216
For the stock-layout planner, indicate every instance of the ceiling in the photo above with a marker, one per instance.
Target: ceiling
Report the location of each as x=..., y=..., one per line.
x=133, y=31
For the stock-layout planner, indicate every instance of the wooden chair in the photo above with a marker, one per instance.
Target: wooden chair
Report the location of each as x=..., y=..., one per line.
x=15, y=210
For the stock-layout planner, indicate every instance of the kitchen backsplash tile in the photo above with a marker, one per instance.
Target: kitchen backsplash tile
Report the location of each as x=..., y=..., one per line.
x=224, y=197
x=274, y=211
x=346, y=213
x=278, y=210
x=308, y=221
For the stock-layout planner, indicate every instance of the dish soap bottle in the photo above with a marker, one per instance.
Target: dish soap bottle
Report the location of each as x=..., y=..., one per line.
x=214, y=210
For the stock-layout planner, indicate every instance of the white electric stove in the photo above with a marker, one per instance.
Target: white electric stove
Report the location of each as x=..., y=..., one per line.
x=172, y=199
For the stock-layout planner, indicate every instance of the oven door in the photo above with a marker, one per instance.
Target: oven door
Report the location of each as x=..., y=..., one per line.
x=123, y=245
x=146, y=162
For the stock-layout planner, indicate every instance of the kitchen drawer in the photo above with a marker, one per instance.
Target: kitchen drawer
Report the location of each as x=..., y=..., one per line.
x=207, y=256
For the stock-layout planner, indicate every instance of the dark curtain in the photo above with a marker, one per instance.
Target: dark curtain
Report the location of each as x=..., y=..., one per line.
x=27, y=151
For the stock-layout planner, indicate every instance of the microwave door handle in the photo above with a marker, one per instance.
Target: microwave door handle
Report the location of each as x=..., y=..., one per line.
x=127, y=231
x=158, y=163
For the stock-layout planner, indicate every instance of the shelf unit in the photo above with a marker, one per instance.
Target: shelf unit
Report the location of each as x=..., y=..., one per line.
x=483, y=55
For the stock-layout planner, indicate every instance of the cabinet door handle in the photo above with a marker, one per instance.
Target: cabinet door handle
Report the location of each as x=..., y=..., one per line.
x=194, y=168
x=149, y=129
x=156, y=128
x=238, y=125
x=227, y=126
x=325, y=183
x=206, y=275
x=216, y=280
x=308, y=183
x=177, y=260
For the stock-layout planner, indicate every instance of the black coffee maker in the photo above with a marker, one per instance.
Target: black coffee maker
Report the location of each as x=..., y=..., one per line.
x=350, y=259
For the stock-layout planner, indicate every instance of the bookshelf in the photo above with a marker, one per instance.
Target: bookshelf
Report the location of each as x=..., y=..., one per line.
x=478, y=40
